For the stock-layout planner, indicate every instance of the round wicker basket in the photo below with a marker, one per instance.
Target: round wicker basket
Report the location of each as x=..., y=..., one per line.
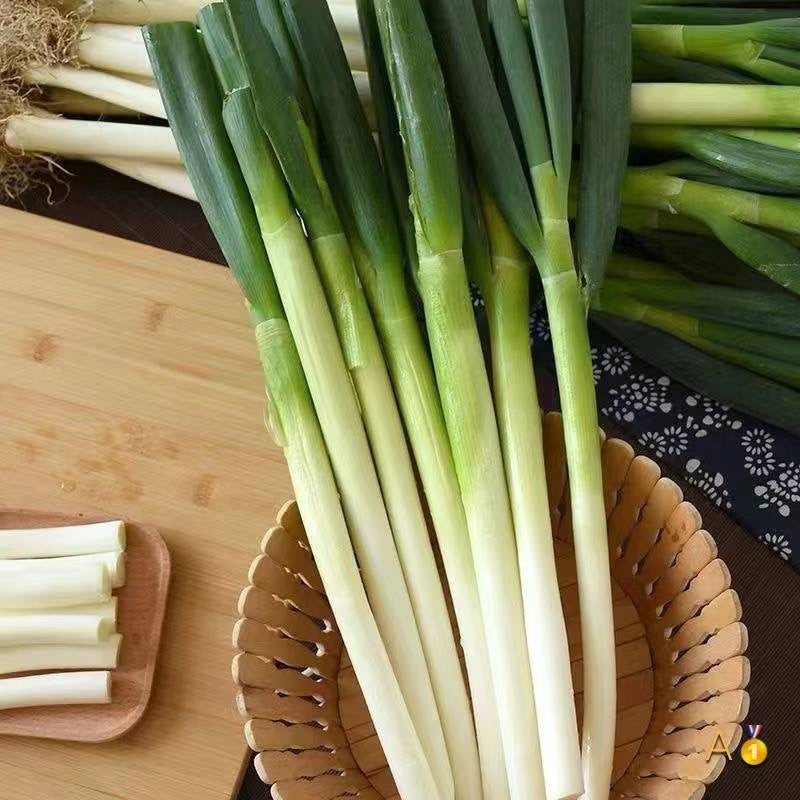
x=681, y=668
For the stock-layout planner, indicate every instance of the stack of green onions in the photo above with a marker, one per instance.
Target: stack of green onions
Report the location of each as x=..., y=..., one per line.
x=321, y=233
x=715, y=330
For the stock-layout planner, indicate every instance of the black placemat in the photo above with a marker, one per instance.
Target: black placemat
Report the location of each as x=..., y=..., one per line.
x=768, y=587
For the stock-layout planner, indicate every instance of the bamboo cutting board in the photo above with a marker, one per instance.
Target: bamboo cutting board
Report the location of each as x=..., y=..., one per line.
x=130, y=386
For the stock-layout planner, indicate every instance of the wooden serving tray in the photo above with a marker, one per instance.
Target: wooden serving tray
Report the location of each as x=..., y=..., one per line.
x=140, y=616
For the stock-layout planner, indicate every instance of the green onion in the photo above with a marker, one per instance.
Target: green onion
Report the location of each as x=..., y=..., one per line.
x=704, y=260
x=605, y=131
x=641, y=269
x=683, y=15
x=649, y=66
x=696, y=333
x=743, y=47
x=769, y=311
x=354, y=160
x=731, y=214
x=471, y=85
x=429, y=146
x=185, y=78
x=505, y=285
x=708, y=173
x=761, y=162
x=788, y=139
x=715, y=105
x=369, y=525
x=743, y=390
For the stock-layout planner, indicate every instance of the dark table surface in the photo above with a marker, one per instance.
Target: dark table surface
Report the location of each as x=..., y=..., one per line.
x=768, y=586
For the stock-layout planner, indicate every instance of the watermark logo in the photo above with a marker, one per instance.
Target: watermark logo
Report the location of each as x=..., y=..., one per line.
x=753, y=752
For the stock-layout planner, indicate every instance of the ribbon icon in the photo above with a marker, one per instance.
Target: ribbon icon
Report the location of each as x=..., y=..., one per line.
x=755, y=730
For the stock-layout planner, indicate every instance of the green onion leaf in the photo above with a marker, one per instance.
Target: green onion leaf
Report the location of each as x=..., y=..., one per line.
x=605, y=130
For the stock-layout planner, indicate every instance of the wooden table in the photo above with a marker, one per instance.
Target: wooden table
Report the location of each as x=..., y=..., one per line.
x=129, y=386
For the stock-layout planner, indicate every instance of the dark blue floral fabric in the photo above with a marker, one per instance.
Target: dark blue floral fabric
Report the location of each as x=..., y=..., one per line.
x=748, y=468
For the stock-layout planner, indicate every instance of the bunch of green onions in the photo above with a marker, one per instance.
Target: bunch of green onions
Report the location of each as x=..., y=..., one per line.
x=711, y=325
x=322, y=230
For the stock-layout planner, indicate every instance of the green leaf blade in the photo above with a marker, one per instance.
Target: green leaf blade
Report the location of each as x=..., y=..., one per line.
x=548, y=25
x=185, y=77
x=281, y=118
x=425, y=122
x=605, y=133
x=344, y=130
x=482, y=116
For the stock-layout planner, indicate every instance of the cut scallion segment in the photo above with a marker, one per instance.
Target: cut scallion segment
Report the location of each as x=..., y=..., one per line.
x=194, y=107
x=429, y=144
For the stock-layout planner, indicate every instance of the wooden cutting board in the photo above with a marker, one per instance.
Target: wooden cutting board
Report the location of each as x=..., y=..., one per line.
x=130, y=386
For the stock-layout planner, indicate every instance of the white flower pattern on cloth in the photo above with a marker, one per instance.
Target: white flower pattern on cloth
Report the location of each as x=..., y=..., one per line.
x=778, y=543
x=640, y=394
x=615, y=360
x=759, y=459
x=712, y=485
x=781, y=491
x=672, y=440
x=707, y=415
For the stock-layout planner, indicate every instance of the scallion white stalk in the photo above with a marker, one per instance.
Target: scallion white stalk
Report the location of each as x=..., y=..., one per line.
x=82, y=138
x=40, y=657
x=51, y=627
x=506, y=290
x=60, y=689
x=103, y=85
x=45, y=589
x=113, y=562
x=169, y=177
x=715, y=104
x=69, y=540
x=116, y=48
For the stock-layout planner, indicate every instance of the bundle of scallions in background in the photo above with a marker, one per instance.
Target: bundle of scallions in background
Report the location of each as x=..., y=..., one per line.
x=76, y=82
x=326, y=234
x=711, y=195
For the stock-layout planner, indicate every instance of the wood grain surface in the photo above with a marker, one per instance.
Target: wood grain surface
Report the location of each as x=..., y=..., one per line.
x=140, y=616
x=130, y=387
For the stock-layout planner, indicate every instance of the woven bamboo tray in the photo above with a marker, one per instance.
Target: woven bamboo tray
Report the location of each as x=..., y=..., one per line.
x=681, y=668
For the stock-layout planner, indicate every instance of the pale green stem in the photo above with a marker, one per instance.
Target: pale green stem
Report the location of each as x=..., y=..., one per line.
x=715, y=104
x=296, y=429
x=520, y=425
x=699, y=200
x=393, y=461
x=415, y=386
x=472, y=429
x=571, y=349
